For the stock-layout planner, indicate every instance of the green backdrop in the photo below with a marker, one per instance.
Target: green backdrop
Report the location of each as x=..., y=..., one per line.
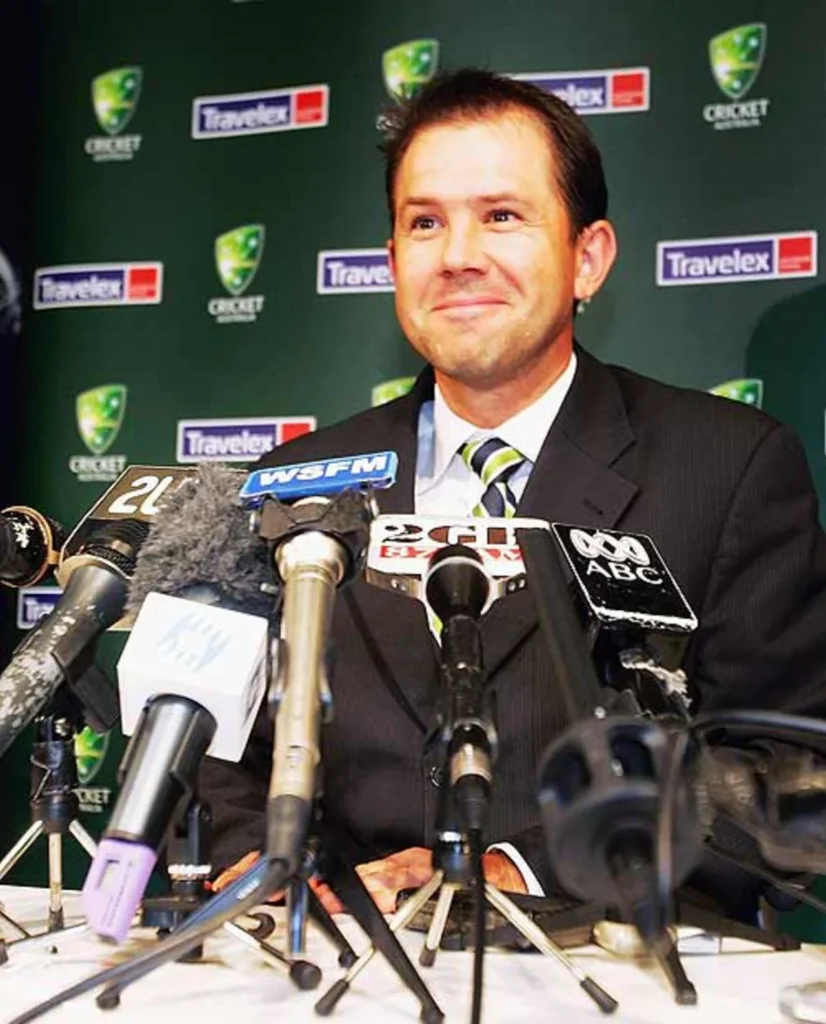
x=700, y=142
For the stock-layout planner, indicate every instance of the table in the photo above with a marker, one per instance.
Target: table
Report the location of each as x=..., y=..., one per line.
x=741, y=985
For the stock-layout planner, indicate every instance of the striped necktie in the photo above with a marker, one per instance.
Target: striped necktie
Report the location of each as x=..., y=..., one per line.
x=494, y=462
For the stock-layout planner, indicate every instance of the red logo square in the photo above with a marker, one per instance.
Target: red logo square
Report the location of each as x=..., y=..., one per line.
x=310, y=107
x=295, y=428
x=143, y=284
x=795, y=255
x=630, y=89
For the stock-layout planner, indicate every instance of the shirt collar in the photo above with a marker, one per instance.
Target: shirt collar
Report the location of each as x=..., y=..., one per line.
x=526, y=431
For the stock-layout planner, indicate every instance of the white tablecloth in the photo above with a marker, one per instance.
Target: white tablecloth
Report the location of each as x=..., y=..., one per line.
x=233, y=984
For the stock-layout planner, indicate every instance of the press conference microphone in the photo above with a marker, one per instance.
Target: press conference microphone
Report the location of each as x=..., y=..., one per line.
x=58, y=649
x=191, y=678
x=30, y=544
x=318, y=544
x=637, y=615
x=457, y=588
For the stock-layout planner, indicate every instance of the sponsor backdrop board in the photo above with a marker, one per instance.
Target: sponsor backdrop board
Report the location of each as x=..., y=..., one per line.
x=208, y=273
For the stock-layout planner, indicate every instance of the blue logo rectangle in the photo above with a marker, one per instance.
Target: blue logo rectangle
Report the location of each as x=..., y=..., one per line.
x=342, y=271
x=237, y=440
x=739, y=258
x=318, y=479
x=97, y=284
x=35, y=602
x=608, y=91
x=256, y=113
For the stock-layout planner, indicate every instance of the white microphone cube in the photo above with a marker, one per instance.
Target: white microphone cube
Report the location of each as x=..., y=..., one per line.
x=213, y=656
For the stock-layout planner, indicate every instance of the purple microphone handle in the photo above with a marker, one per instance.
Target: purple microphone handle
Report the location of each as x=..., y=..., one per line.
x=115, y=886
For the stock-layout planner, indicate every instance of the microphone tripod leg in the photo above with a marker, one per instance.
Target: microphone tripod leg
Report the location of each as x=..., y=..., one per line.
x=391, y=949
x=55, y=882
x=685, y=994
x=20, y=847
x=534, y=934
x=17, y=927
x=83, y=837
x=324, y=920
x=297, y=889
x=433, y=939
x=303, y=974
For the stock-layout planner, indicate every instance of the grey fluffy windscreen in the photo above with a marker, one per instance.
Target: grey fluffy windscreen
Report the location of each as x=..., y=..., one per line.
x=201, y=538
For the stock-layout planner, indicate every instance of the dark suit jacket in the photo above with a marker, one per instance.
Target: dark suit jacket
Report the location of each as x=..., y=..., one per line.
x=722, y=489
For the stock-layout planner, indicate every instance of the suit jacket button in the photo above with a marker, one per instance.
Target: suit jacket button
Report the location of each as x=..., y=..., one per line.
x=436, y=776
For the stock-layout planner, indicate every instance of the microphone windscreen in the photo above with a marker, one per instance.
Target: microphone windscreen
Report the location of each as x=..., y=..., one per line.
x=201, y=538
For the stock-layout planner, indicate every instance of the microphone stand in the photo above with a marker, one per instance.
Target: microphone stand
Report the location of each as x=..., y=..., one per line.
x=54, y=806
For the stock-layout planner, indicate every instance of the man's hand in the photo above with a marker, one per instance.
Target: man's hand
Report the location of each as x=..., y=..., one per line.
x=385, y=878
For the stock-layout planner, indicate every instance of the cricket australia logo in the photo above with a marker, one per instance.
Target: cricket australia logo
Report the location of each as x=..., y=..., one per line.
x=409, y=66
x=237, y=258
x=100, y=413
x=90, y=750
x=736, y=57
x=115, y=97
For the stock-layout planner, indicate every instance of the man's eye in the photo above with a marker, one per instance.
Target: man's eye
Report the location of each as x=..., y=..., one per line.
x=423, y=223
x=503, y=216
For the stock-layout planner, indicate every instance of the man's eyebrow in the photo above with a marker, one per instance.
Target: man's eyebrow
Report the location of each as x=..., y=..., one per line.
x=496, y=197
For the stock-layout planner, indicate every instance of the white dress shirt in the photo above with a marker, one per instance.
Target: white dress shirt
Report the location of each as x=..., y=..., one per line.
x=446, y=486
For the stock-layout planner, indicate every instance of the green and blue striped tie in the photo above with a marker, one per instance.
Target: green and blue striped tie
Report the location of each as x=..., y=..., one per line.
x=494, y=462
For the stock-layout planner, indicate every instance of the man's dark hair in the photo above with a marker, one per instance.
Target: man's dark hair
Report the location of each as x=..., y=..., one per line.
x=472, y=94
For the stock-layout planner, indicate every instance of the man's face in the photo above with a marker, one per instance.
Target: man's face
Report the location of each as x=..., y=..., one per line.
x=481, y=251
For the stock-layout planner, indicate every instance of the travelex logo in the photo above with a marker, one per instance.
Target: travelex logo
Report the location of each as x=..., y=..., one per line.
x=257, y=113
x=90, y=750
x=736, y=57
x=35, y=602
x=237, y=257
x=237, y=440
x=748, y=390
x=409, y=66
x=98, y=284
x=739, y=258
x=316, y=479
x=612, y=91
x=344, y=271
x=115, y=97
x=100, y=412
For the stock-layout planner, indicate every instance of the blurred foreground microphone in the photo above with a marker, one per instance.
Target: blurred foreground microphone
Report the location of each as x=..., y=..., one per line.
x=457, y=588
x=622, y=823
x=96, y=566
x=318, y=544
x=191, y=678
x=638, y=620
x=60, y=648
x=602, y=789
x=29, y=545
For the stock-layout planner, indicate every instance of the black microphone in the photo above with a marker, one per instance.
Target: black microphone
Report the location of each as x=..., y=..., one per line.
x=638, y=620
x=776, y=793
x=458, y=588
x=30, y=544
x=601, y=796
x=59, y=648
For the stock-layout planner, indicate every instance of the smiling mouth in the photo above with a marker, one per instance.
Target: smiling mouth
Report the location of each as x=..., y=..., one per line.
x=468, y=304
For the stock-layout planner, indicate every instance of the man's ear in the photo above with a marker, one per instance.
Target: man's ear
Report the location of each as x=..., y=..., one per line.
x=391, y=257
x=596, y=250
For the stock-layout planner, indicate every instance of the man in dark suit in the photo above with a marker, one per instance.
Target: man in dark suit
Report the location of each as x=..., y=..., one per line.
x=498, y=207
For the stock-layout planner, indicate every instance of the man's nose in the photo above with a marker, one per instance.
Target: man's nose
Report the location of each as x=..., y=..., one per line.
x=464, y=247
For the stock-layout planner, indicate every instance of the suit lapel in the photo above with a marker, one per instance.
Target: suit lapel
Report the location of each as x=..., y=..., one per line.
x=572, y=482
